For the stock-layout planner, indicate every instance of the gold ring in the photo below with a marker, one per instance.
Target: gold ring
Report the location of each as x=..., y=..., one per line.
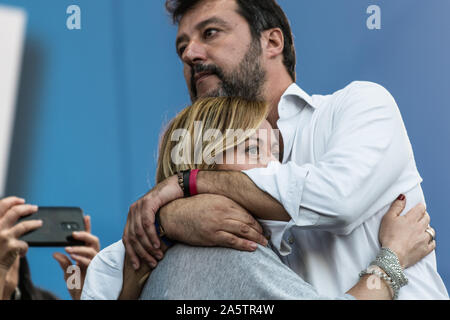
x=431, y=233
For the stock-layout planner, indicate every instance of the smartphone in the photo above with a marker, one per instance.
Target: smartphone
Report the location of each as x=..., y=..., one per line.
x=57, y=228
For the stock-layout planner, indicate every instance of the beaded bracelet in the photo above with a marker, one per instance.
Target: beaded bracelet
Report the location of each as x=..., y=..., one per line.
x=388, y=261
x=373, y=271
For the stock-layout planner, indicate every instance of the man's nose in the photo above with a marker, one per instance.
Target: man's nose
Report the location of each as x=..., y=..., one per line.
x=194, y=53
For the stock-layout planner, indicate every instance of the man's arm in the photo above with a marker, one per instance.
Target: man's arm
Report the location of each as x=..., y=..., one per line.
x=240, y=188
x=366, y=154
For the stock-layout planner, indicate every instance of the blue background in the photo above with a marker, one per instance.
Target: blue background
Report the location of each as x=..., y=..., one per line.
x=92, y=101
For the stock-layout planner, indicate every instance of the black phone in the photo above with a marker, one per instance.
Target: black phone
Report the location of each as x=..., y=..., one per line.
x=57, y=228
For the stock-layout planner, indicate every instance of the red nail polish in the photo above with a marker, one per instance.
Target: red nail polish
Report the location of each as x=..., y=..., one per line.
x=401, y=197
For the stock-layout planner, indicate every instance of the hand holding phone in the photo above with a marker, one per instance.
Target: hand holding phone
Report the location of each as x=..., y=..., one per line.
x=11, y=209
x=58, y=225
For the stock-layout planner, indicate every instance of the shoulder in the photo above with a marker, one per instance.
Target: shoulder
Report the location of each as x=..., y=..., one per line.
x=111, y=256
x=364, y=98
x=365, y=92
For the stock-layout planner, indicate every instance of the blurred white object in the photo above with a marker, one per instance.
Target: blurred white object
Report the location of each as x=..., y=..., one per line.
x=12, y=31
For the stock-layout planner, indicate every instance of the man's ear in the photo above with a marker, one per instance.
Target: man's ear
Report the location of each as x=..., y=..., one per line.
x=273, y=42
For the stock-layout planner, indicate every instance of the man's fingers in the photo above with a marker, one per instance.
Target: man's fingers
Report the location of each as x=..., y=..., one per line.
x=246, y=218
x=143, y=254
x=397, y=206
x=131, y=253
x=88, y=238
x=17, y=212
x=228, y=240
x=145, y=234
x=8, y=203
x=24, y=227
x=417, y=212
x=244, y=231
x=148, y=213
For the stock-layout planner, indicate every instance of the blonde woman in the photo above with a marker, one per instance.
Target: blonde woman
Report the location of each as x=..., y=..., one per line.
x=232, y=134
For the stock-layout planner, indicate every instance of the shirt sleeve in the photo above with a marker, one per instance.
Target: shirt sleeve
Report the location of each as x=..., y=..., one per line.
x=104, y=275
x=367, y=151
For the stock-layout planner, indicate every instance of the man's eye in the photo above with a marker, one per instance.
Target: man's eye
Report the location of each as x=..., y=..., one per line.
x=210, y=32
x=181, y=50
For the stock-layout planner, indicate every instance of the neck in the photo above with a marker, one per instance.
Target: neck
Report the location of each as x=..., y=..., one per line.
x=273, y=90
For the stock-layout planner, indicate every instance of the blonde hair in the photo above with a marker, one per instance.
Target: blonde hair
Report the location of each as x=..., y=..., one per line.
x=227, y=115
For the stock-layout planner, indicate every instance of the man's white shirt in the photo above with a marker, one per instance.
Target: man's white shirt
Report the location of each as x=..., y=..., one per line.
x=347, y=157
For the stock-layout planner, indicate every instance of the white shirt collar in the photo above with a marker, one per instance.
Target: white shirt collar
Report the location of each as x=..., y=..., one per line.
x=289, y=104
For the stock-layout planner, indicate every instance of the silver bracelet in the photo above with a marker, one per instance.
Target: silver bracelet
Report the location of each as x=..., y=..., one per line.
x=372, y=271
x=388, y=261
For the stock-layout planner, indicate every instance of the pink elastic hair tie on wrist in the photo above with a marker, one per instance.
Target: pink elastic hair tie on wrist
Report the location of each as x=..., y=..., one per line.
x=193, y=182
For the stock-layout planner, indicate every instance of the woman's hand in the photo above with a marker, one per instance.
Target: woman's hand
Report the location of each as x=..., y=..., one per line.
x=82, y=255
x=11, y=209
x=406, y=234
x=133, y=281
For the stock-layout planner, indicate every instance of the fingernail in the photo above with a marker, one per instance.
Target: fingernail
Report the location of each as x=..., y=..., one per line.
x=156, y=246
x=152, y=264
x=68, y=248
x=253, y=246
x=135, y=266
x=401, y=197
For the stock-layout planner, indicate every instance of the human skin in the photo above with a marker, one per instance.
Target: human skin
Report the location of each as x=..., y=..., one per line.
x=403, y=234
x=12, y=249
x=214, y=33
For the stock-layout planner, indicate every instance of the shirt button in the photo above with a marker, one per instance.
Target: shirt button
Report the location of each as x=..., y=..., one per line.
x=291, y=240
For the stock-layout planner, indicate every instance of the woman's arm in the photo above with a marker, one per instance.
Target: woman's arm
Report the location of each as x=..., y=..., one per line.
x=407, y=239
x=133, y=281
x=3, y=273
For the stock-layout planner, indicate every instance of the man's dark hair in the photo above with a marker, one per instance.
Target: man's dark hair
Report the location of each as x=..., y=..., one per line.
x=261, y=15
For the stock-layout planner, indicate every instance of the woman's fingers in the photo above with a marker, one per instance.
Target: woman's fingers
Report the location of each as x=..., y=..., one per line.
x=87, y=223
x=89, y=239
x=416, y=213
x=17, y=212
x=8, y=203
x=64, y=262
x=87, y=252
x=397, y=207
x=24, y=227
x=81, y=261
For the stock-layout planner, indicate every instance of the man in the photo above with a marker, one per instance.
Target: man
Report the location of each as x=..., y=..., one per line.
x=345, y=158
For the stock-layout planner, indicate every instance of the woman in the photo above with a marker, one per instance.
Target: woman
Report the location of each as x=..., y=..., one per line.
x=232, y=134
x=15, y=276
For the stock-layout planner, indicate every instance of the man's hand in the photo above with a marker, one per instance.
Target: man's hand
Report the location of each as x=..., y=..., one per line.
x=140, y=237
x=82, y=255
x=212, y=220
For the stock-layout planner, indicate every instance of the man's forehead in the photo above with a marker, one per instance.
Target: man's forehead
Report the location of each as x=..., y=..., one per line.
x=206, y=9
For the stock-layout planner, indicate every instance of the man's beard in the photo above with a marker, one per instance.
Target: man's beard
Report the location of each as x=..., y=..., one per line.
x=245, y=81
